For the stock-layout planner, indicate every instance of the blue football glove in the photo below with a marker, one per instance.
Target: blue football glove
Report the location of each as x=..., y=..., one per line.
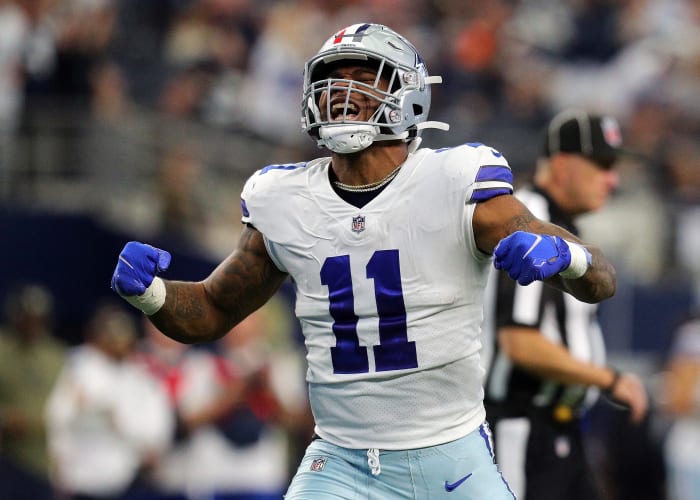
x=528, y=257
x=138, y=265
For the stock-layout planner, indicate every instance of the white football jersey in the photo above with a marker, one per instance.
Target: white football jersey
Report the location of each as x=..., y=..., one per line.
x=389, y=295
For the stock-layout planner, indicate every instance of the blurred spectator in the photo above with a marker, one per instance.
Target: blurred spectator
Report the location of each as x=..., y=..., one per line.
x=208, y=48
x=26, y=48
x=200, y=393
x=580, y=50
x=680, y=400
x=262, y=349
x=292, y=32
x=30, y=360
x=60, y=100
x=138, y=44
x=596, y=33
x=108, y=418
x=183, y=93
x=232, y=440
x=474, y=45
x=83, y=30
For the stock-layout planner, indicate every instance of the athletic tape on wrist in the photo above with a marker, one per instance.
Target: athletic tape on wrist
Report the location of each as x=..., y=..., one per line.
x=151, y=300
x=580, y=261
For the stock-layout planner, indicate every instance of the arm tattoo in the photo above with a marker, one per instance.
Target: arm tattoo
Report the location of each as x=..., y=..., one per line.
x=247, y=279
x=522, y=221
x=207, y=310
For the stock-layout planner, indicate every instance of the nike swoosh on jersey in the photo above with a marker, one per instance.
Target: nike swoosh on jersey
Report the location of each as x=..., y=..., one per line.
x=451, y=487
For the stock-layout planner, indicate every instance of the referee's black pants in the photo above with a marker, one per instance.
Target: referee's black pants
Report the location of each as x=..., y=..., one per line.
x=556, y=465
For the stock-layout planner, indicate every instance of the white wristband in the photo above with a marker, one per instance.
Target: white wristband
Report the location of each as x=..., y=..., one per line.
x=151, y=300
x=580, y=261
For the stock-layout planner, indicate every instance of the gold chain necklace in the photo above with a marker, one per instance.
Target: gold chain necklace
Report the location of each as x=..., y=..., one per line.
x=372, y=186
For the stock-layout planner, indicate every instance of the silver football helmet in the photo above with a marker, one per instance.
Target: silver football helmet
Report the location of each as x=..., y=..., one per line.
x=403, y=108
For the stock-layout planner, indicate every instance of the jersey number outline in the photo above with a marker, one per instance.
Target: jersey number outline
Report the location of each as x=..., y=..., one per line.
x=394, y=351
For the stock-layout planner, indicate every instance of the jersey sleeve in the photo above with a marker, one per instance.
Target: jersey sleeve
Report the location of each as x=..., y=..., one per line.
x=268, y=198
x=477, y=173
x=263, y=193
x=493, y=176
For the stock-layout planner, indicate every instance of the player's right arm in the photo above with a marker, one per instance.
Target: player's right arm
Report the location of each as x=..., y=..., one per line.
x=192, y=312
x=504, y=226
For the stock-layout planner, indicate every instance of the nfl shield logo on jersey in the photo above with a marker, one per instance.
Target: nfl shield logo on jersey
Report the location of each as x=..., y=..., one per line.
x=358, y=224
x=318, y=464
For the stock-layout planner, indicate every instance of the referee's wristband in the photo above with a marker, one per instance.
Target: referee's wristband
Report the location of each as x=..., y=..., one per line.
x=150, y=301
x=580, y=261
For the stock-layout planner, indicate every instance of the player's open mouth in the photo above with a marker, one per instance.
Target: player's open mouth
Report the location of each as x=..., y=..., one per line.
x=338, y=111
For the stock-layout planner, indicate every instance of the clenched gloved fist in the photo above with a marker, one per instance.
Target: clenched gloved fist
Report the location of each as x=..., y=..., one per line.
x=135, y=276
x=528, y=257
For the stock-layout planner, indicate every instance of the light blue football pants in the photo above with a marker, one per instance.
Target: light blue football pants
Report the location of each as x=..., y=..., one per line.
x=461, y=469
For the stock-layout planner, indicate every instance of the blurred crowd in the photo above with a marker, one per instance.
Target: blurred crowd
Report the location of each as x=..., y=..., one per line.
x=149, y=115
x=128, y=414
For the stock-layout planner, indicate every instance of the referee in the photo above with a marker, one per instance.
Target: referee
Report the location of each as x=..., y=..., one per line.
x=548, y=359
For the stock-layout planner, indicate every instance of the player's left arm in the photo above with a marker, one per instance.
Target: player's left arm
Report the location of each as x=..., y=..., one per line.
x=503, y=225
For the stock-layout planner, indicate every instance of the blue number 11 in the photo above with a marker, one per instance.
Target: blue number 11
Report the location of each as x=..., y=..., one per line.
x=394, y=351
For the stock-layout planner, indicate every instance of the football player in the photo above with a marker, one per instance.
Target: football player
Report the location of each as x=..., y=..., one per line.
x=388, y=246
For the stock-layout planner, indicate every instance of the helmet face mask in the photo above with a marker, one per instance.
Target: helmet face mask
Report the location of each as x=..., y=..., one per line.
x=344, y=100
x=400, y=91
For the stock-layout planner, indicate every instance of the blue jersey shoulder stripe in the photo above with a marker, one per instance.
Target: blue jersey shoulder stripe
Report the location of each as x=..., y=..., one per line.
x=494, y=173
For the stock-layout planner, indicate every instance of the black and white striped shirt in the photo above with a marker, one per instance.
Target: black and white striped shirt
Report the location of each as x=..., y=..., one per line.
x=555, y=314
